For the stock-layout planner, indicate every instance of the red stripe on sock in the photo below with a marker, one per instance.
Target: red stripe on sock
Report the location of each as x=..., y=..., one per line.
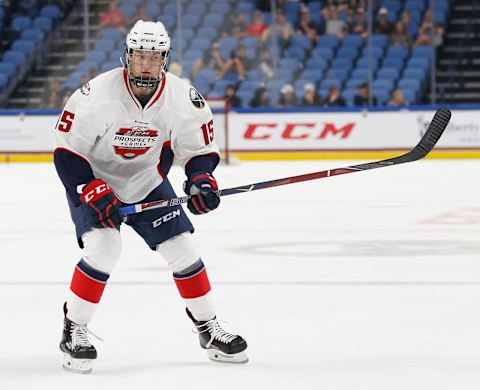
x=195, y=286
x=85, y=287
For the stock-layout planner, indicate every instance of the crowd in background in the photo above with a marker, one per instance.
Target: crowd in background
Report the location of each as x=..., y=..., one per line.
x=339, y=18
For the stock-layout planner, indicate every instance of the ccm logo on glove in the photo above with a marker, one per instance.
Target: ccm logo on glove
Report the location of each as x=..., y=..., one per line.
x=93, y=194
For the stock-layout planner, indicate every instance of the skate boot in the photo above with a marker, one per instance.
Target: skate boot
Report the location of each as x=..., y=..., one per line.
x=221, y=346
x=79, y=353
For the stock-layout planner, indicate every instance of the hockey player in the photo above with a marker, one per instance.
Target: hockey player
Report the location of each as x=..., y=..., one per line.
x=114, y=145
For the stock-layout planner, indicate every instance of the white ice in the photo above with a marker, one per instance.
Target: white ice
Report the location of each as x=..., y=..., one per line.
x=362, y=282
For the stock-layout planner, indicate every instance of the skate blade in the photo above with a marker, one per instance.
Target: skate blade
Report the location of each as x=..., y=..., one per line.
x=80, y=366
x=217, y=356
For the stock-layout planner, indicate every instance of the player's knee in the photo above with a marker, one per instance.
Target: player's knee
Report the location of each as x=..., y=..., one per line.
x=102, y=248
x=180, y=252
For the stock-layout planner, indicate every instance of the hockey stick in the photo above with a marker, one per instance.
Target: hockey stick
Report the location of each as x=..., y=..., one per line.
x=432, y=135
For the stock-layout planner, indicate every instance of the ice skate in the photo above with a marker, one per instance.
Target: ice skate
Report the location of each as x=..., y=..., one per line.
x=79, y=353
x=221, y=346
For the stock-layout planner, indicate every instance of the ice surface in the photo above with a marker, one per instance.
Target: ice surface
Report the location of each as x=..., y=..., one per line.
x=363, y=281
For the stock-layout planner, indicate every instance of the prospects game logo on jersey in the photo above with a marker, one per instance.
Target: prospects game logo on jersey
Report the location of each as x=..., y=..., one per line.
x=133, y=142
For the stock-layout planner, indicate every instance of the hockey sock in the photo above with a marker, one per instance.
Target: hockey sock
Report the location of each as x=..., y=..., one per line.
x=194, y=288
x=87, y=288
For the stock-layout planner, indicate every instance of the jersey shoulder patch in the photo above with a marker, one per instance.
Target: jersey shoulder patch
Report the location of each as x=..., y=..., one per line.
x=85, y=89
x=196, y=99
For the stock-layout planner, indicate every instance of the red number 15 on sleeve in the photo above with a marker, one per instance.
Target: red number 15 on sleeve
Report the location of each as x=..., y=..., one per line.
x=207, y=129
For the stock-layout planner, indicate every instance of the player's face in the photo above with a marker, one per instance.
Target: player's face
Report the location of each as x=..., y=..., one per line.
x=146, y=63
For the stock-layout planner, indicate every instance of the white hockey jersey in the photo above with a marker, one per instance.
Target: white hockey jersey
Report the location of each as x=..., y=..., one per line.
x=104, y=123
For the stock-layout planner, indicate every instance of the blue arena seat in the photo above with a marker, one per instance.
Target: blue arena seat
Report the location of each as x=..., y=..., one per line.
x=398, y=52
x=208, y=33
x=21, y=23
x=338, y=74
x=330, y=41
x=374, y=52
x=410, y=96
x=130, y=10
x=96, y=57
x=361, y=73
x=112, y=33
x=385, y=84
x=213, y=20
x=51, y=11
x=301, y=41
x=419, y=63
x=14, y=57
x=342, y=63
x=353, y=40
x=354, y=83
x=365, y=63
x=415, y=73
x=197, y=9
x=43, y=23
x=379, y=40
x=201, y=44
x=33, y=34
x=393, y=62
x=347, y=52
x=3, y=81
x=7, y=69
x=324, y=53
x=311, y=75
x=24, y=46
x=388, y=73
x=295, y=52
x=153, y=10
x=316, y=63
x=105, y=45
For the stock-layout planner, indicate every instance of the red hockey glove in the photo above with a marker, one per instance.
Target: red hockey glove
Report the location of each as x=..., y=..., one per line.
x=202, y=188
x=101, y=206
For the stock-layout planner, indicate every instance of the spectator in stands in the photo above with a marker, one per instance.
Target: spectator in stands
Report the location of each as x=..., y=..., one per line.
x=239, y=63
x=230, y=94
x=340, y=5
x=310, y=96
x=261, y=98
x=383, y=26
x=53, y=95
x=334, y=25
x=411, y=27
x=237, y=27
x=428, y=31
x=359, y=26
x=175, y=68
x=212, y=59
x=427, y=25
x=306, y=25
x=397, y=99
x=287, y=97
x=256, y=27
x=400, y=36
x=282, y=29
x=361, y=98
x=266, y=64
x=438, y=35
x=334, y=98
x=114, y=18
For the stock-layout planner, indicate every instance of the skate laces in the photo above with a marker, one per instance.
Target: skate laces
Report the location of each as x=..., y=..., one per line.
x=79, y=334
x=216, y=332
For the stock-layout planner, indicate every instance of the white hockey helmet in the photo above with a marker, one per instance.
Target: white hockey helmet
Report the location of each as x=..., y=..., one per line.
x=147, y=37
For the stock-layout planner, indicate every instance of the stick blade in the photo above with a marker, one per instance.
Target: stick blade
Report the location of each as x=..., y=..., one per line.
x=435, y=130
